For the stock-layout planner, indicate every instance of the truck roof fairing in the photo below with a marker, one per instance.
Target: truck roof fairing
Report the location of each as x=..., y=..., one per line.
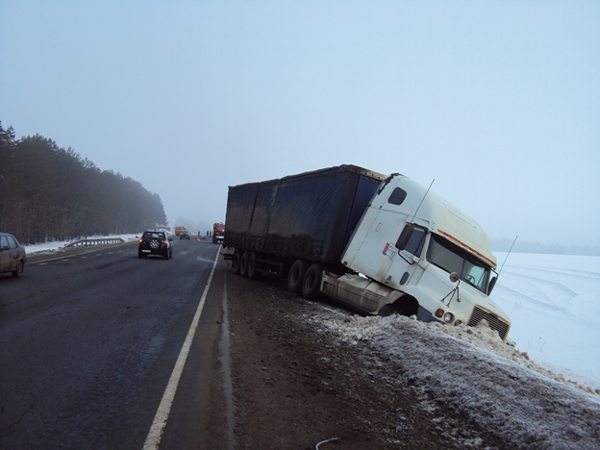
x=446, y=220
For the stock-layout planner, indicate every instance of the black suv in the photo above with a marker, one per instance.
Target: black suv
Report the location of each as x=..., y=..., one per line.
x=155, y=243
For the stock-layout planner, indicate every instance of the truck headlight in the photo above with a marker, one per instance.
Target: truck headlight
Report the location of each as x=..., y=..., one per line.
x=448, y=317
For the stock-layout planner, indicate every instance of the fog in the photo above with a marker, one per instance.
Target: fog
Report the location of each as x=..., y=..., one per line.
x=499, y=102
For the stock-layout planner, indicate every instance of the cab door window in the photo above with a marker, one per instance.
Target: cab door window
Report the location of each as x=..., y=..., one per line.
x=412, y=240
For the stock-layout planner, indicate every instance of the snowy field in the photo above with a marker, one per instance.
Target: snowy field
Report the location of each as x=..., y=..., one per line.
x=554, y=304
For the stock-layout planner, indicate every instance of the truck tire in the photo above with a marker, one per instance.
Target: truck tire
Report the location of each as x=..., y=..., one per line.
x=405, y=306
x=244, y=264
x=296, y=276
x=235, y=261
x=311, y=285
x=252, y=269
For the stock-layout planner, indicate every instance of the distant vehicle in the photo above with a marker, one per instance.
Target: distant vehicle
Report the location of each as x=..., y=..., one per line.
x=12, y=255
x=218, y=232
x=155, y=243
x=167, y=230
x=178, y=230
x=185, y=234
x=375, y=243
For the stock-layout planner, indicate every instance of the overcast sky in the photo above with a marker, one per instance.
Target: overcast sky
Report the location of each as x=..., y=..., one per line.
x=498, y=101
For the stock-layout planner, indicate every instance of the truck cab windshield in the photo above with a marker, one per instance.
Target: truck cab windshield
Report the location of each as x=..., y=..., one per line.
x=452, y=258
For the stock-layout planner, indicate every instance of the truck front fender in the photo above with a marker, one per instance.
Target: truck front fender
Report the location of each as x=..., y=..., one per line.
x=428, y=304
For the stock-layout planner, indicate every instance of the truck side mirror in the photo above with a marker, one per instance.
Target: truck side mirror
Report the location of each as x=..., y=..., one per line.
x=492, y=284
x=454, y=277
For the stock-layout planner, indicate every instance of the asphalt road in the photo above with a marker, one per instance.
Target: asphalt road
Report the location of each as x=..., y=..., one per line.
x=88, y=342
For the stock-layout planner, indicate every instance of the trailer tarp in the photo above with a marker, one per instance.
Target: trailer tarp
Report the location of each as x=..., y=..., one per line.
x=311, y=215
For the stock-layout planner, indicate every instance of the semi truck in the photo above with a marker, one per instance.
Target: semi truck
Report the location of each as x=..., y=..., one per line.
x=379, y=244
x=218, y=232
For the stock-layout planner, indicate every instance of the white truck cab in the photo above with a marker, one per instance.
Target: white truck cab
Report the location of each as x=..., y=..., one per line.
x=413, y=252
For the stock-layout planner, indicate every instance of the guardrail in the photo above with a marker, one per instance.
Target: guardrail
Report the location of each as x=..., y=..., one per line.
x=98, y=241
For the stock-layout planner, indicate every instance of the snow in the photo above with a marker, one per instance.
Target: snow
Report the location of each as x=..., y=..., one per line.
x=485, y=380
x=53, y=246
x=554, y=302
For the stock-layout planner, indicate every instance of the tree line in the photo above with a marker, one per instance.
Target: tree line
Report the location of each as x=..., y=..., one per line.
x=49, y=193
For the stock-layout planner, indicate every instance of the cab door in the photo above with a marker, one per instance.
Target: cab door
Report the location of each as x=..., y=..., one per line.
x=371, y=250
x=408, y=249
x=372, y=247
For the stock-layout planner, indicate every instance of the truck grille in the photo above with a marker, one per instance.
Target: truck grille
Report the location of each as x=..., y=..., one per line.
x=496, y=323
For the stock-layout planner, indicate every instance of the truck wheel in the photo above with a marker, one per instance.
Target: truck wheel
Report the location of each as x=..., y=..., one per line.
x=312, y=282
x=253, y=273
x=296, y=276
x=406, y=306
x=235, y=262
x=244, y=264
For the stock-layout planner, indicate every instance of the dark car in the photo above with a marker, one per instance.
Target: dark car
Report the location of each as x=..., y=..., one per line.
x=185, y=234
x=12, y=255
x=155, y=243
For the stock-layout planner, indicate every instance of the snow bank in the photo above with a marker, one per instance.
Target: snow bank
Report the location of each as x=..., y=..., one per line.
x=53, y=246
x=472, y=371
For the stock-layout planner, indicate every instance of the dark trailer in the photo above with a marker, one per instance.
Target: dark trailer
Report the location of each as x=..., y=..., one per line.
x=309, y=216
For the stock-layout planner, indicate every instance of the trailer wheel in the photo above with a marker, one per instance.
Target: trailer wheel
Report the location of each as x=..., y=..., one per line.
x=252, y=267
x=244, y=264
x=312, y=282
x=235, y=262
x=296, y=276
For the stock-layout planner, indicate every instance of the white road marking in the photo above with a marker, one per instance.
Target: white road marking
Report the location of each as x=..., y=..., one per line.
x=162, y=414
x=225, y=348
